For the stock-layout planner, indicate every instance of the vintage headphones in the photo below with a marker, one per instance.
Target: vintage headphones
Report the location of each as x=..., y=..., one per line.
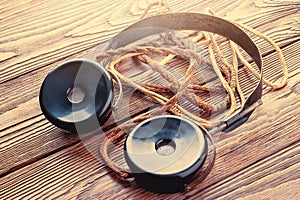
x=184, y=144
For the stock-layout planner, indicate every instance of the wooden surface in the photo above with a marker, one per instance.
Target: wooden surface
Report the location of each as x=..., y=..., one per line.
x=258, y=160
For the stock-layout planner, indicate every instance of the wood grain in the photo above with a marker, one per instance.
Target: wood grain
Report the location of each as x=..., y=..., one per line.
x=75, y=173
x=265, y=179
x=257, y=160
x=29, y=131
x=69, y=31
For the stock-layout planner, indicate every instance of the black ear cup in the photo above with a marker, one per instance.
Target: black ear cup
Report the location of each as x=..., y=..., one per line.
x=77, y=96
x=165, y=153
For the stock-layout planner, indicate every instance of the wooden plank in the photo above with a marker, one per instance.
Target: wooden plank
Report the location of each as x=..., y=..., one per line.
x=275, y=176
x=29, y=131
x=44, y=32
x=290, y=189
x=11, y=98
x=74, y=173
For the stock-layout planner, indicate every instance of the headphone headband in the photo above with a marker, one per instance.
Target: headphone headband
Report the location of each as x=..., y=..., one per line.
x=202, y=22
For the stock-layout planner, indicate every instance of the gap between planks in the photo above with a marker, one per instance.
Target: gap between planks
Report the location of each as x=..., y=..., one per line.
x=49, y=52
x=51, y=150
x=114, y=186
x=29, y=130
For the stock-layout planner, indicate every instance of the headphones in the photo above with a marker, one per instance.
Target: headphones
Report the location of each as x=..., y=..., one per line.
x=164, y=153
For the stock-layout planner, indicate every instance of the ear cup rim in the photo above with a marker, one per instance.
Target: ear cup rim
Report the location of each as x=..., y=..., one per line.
x=166, y=183
x=53, y=97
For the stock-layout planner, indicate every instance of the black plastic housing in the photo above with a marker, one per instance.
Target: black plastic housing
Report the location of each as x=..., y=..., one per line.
x=87, y=115
x=149, y=168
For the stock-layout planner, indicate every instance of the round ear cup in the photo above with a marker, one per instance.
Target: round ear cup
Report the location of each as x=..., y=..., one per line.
x=165, y=153
x=77, y=96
